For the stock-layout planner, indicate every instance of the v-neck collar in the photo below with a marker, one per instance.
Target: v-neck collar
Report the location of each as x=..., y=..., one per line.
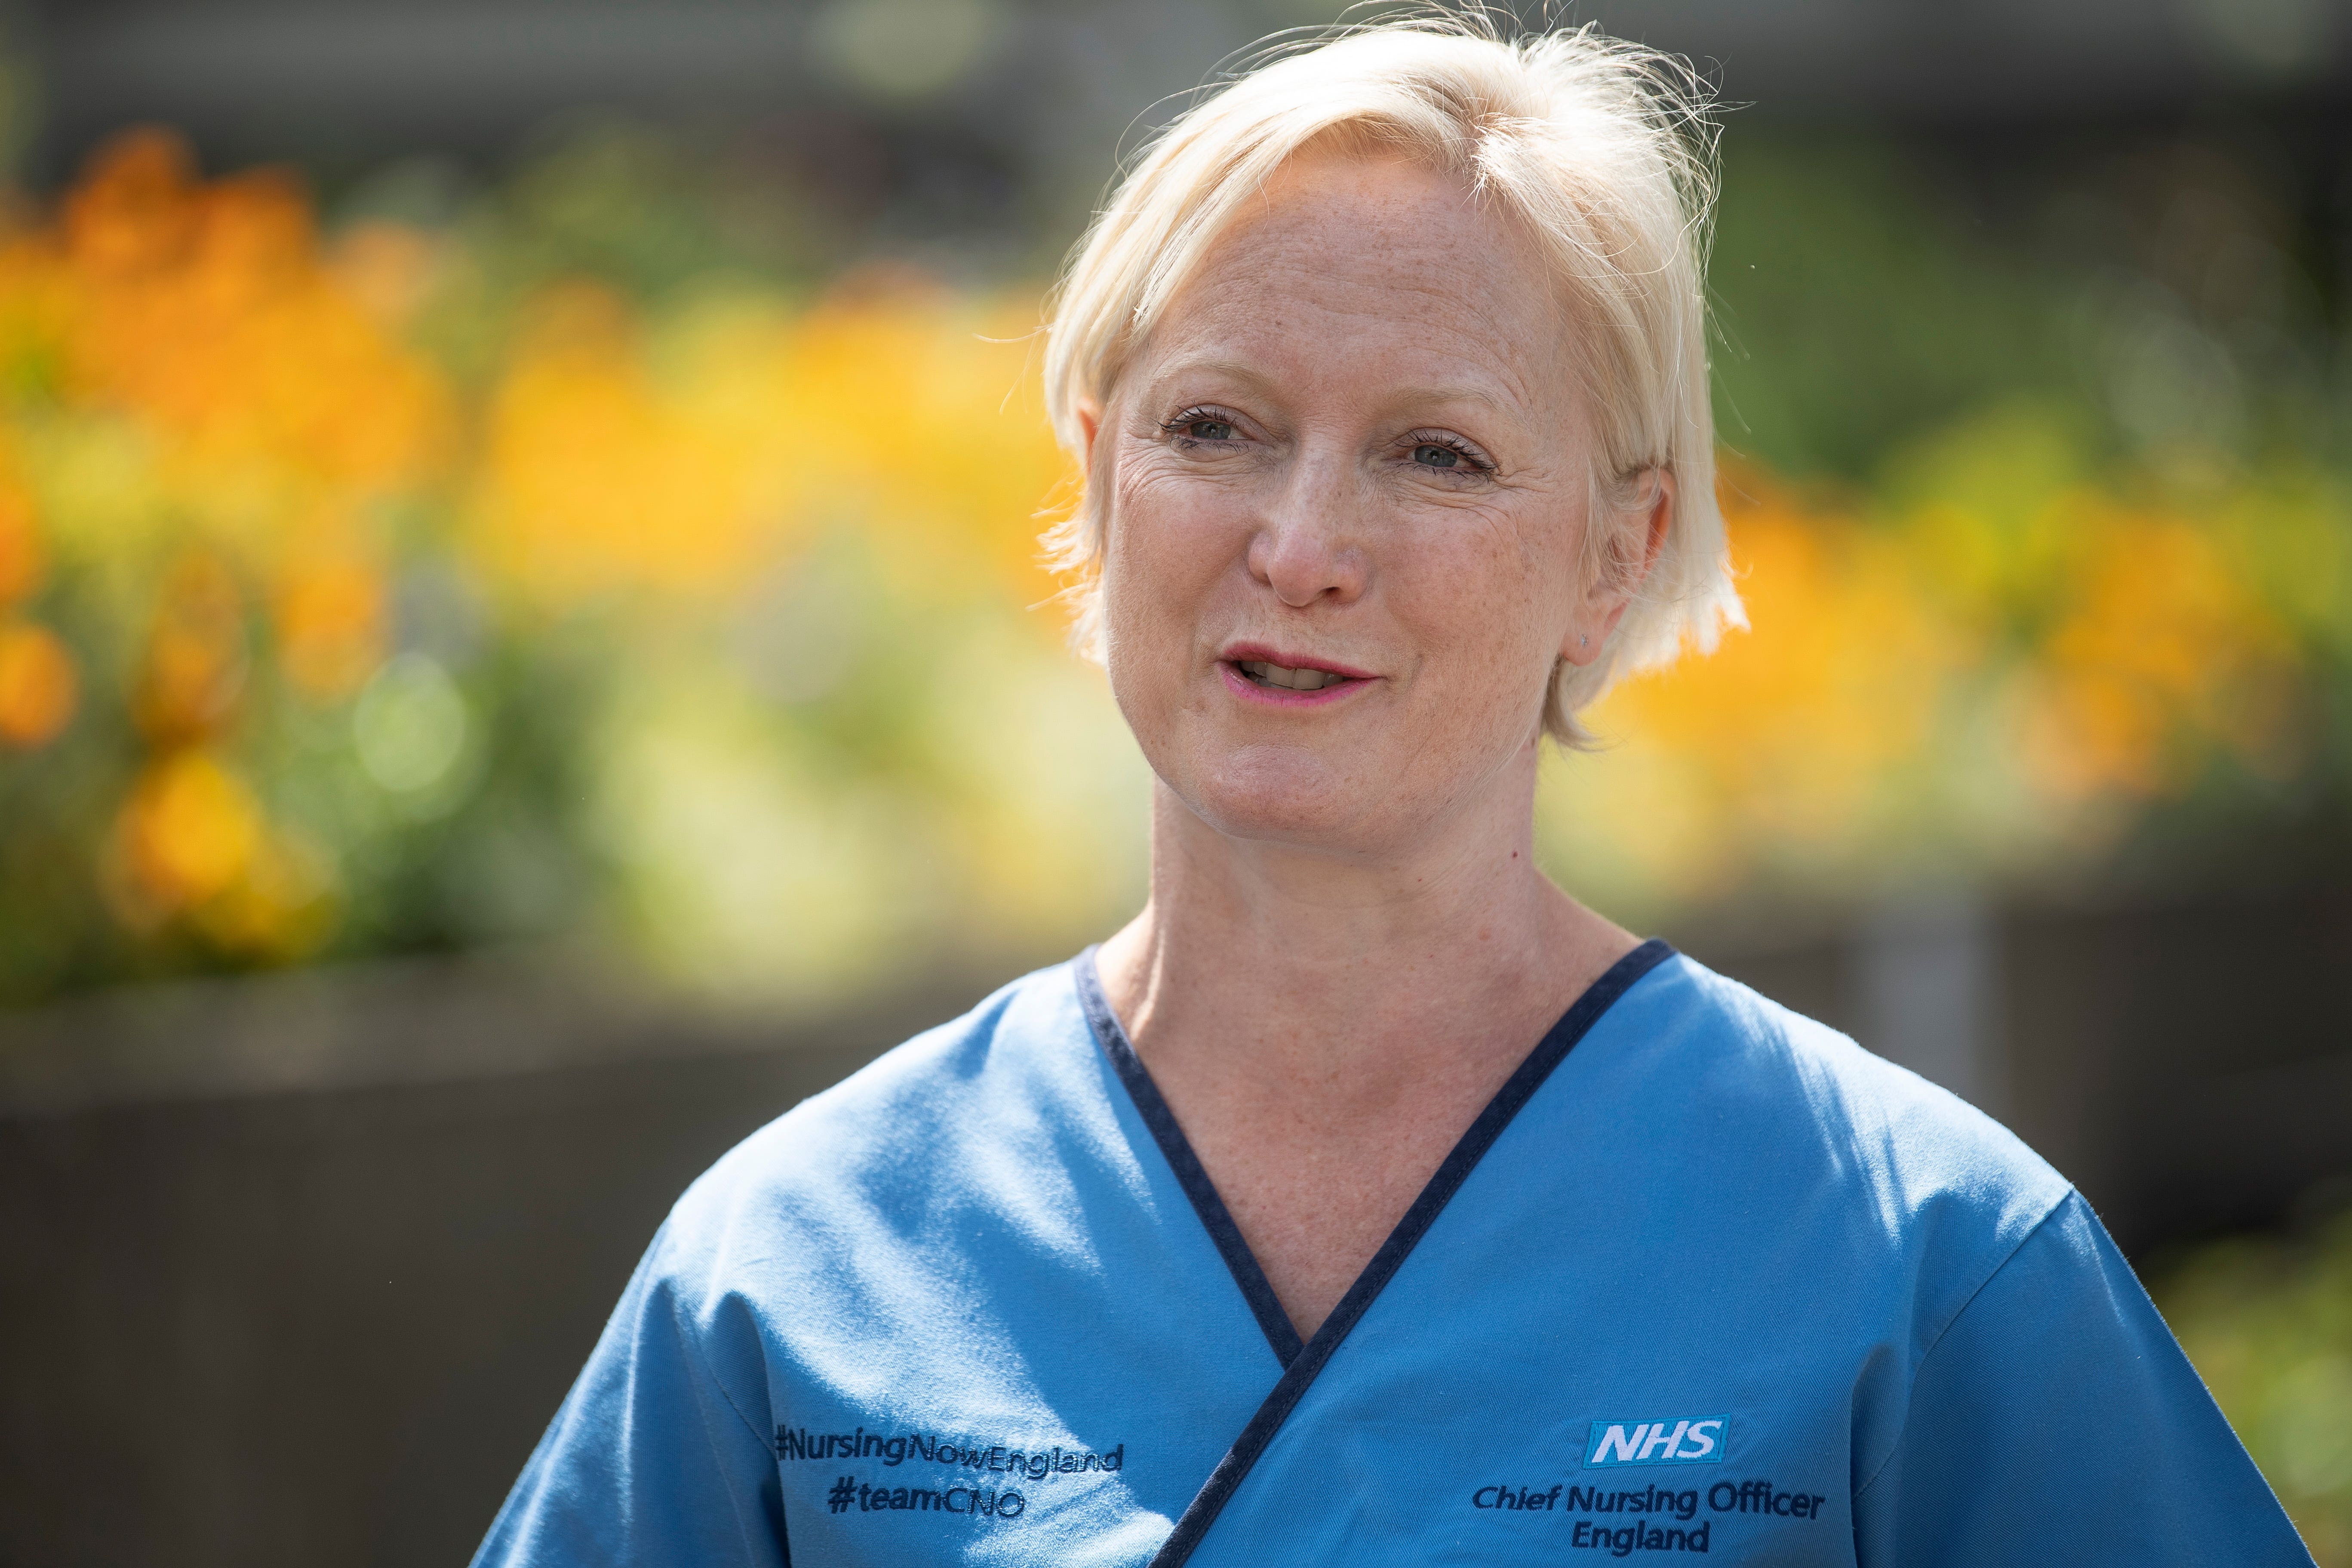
x=1280, y=1332
x=1302, y=1362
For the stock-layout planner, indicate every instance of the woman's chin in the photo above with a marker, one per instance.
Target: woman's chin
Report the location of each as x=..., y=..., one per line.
x=1292, y=795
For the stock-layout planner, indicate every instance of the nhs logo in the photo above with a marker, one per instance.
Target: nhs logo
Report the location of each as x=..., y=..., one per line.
x=1687, y=1440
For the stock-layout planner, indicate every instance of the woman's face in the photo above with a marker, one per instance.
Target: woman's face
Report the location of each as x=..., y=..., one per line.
x=1347, y=484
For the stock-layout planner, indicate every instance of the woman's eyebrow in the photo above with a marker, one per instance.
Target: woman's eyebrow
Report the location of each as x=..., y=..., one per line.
x=1487, y=398
x=1234, y=370
x=1482, y=398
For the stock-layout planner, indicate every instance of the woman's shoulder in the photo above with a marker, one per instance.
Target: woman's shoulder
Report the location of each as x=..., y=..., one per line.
x=1782, y=1092
x=967, y=1094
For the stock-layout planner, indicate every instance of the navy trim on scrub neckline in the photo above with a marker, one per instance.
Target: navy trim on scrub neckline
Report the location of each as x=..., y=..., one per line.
x=1305, y=1363
x=1216, y=1219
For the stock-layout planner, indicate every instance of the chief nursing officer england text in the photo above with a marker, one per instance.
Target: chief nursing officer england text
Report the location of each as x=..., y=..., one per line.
x=1367, y=1199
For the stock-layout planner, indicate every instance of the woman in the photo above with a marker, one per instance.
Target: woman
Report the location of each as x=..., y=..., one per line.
x=1367, y=1198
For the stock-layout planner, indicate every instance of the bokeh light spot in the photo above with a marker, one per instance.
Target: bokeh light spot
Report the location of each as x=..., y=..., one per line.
x=410, y=725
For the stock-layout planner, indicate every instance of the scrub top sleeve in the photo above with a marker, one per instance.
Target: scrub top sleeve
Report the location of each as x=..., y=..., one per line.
x=2056, y=1420
x=650, y=1459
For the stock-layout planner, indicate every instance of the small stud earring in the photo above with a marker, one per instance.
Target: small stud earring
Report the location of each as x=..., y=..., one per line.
x=1582, y=639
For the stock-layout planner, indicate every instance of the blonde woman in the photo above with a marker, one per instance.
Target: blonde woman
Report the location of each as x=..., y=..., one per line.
x=1368, y=1199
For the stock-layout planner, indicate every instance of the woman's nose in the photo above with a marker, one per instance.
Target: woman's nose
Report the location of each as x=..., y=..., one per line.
x=1309, y=548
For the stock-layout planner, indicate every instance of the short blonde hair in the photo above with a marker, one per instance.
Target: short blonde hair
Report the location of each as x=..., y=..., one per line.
x=1602, y=149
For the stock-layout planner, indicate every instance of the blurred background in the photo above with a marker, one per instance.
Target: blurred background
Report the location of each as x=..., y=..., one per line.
x=522, y=655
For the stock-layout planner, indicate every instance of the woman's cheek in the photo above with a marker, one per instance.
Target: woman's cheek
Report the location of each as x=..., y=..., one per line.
x=1147, y=621
x=1484, y=604
x=1165, y=528
x=1516, y=656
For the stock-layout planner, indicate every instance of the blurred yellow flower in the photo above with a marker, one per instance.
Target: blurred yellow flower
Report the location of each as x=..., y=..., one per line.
x=39, y=688
x=223, y=462
x=279, y=907
x=681, y=462
x=927, y=413
x=599, y=479
x=189, y=831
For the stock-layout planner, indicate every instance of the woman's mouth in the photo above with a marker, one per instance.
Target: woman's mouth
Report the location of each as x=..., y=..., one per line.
x=1258, y=674
x=1264, y=673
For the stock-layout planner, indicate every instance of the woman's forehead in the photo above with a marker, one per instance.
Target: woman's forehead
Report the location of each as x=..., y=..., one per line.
x=1364, y=267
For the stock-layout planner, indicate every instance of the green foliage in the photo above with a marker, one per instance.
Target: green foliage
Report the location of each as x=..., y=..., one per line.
x=2268, y=1321
x=1856, y=310
x=2166, y=294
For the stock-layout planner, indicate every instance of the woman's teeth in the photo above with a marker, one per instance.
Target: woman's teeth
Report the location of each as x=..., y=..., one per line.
x=1266, y=674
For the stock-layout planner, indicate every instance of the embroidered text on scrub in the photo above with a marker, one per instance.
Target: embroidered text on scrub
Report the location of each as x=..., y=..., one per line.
x=1039, y=1464
x=1649, y=1499
x=1758, y=1497
x=1631, y=1537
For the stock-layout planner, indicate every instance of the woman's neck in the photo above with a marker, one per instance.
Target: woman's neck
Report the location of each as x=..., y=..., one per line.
x=1281, y=966
x=1326, y=1027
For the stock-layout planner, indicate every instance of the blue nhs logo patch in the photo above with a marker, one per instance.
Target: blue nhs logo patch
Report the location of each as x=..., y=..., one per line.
x=1673, y=1440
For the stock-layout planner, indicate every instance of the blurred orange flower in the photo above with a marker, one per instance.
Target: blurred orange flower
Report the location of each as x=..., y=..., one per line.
x=21, y=561
x=213, y=418
x=260, y=382
x=195, y=659
x=388, y=267
x=38, y=689
x=1797, y=724
x=133, y=211
x=2160, y=648
x=331, y=626
x=208, y=310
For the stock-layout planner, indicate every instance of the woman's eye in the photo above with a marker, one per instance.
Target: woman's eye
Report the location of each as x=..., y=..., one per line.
x=1449, y=454
x=1202, y=427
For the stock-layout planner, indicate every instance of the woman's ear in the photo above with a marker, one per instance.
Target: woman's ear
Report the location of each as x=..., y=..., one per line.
x=1639, y=537
x=1657, y=520
x=1089, y=413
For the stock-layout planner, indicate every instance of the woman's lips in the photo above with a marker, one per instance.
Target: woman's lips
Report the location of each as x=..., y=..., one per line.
x=1287, y=681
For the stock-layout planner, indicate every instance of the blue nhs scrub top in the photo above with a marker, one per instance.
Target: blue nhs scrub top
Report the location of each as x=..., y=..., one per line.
x=1705, y=1279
